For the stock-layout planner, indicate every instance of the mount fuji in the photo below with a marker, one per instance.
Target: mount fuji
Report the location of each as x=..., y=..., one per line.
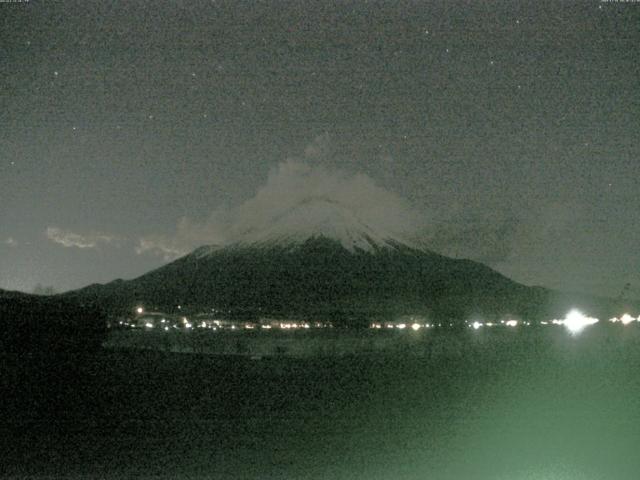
x=321, y=260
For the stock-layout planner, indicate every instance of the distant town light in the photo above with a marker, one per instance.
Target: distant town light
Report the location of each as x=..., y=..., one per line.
x=511, y=323
x=626, y=319
x=148, y=325
x=401, y=326
x=575, y=321
x=476, y=325
x=140, y=310
x=415, y=327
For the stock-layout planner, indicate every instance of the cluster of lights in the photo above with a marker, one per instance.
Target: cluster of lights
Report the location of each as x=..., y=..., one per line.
x=625, y=319
x=476, y=325
x=293, y=325
x=399, y=326
x=576, y=321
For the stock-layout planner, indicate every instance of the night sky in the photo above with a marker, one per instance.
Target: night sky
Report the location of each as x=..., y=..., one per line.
x=511, y=132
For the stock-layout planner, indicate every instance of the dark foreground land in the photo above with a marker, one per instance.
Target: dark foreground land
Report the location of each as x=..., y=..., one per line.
x=507, y=404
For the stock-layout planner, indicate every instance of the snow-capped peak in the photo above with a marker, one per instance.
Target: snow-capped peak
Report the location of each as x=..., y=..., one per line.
x=320, y=217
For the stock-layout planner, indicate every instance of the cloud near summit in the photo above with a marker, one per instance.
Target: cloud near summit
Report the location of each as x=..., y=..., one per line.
x=70, y=239
x=293, y=183
x=290, y=184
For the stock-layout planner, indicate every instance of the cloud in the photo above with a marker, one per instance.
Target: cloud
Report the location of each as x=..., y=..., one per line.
x=487, y=240
x=188, y=235
x=290, y=184
x=161, y=246
x=70, y=239
x=321, y=147
x=11, y=242
x=500, y=235
x=293, y=183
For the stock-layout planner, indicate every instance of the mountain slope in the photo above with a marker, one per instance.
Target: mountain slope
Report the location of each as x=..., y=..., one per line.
x=319, y=277
x=320, y=260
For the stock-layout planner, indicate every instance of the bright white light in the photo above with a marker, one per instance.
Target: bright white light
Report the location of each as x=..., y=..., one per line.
x=140, y=310
x=401, y=326
x=266, y=327
x=511, y=323
x=187, y=325
x=575, y=321
x=476, y=325
x=415, y=327
x=626, y=319
x=166, y=329
x=489, y=324
x=148, y=325
x=544, y=323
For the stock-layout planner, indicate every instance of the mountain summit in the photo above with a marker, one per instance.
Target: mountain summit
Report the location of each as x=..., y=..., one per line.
x=319, y=217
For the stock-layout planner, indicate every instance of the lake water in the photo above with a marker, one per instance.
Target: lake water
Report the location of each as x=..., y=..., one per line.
x=503, y=404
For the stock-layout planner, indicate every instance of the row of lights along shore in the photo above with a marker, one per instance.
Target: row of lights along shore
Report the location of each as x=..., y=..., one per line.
x=574, y=321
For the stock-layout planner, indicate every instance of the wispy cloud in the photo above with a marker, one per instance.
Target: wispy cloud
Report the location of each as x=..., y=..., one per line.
x=70, y=239
x=487, y=240
x=161, y=246
x=11, y=242
x=188, y=235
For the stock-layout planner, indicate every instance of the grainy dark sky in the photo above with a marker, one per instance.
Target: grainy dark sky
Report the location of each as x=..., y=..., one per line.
x=511, y=129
